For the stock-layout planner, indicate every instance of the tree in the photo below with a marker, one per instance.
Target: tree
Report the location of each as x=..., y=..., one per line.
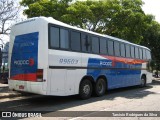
x=54, y=8
x=124, y=19
x=89, y=15
x=128, y=21
x=120, y=18
x=152, y=40
x=28, y=2
x=8, y=13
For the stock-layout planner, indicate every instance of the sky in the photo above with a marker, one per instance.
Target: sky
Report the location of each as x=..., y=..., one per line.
x=152, y=7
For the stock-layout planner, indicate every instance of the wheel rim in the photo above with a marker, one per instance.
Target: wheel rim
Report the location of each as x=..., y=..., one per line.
x=86, y=89
x=142, y=82
x=100, y=87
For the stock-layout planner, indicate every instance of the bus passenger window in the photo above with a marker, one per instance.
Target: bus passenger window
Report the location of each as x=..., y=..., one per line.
x=136, y=53
x=132, y=52
x=75, y=41
x=144, y=54
x=128, y=51
x=86, y=43
x=116, y=48
x=148, y=53
x=54, y=37
x=95, y=44
x=140, y=53
x=110, y=48
x=64, y=41
x=103, y=46
x=123, y=52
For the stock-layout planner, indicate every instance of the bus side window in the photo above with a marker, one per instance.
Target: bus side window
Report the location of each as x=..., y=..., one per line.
x=117, y=48
x=140, y=53
x=95, y=44
x=64, y=39
x=86, y=43
x=128, y=51
x=144, y=54
x=148, y=53
x=75, y=41
x=103, y=46
x=54, y=37
x=123, y=52
x=132, y=52
x=110, y=48
x=136, y=53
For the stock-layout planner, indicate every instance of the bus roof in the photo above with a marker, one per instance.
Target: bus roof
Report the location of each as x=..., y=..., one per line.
x=56, y=22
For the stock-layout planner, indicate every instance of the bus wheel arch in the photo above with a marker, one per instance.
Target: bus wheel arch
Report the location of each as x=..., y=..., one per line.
x=100, y=86
x=86, y=87
x=143, y=80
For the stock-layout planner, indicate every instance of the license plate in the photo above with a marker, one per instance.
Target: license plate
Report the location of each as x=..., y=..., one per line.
x=21, y=87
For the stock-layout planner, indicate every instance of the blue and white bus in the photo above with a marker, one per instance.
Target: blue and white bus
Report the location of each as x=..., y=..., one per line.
x=49, y=57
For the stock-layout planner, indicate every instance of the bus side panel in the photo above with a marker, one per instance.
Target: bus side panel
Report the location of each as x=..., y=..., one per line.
x=120, y=72
x=103, y=66
x=64, y=78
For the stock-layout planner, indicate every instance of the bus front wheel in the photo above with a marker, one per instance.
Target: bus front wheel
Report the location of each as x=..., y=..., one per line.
x=100, y=87
x=85, y=90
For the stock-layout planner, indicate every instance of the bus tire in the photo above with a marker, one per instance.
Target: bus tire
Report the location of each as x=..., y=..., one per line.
x=143, y=81
x=85, y=90
x=100, y=87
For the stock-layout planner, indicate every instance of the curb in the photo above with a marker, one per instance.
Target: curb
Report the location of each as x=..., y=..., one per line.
x=6, y=93
x=9, y=95
x=3, y=85
x=156, y=79
x=14, y=94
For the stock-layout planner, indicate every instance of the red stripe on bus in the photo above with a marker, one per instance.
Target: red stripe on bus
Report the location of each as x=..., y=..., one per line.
x=124, y=60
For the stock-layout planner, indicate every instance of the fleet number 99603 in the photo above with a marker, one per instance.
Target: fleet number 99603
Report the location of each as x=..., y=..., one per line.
x=68, y=61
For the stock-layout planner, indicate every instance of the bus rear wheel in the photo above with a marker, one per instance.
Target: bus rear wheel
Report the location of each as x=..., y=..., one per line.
x=143, y=81
x=85, y=90
x=100, y=87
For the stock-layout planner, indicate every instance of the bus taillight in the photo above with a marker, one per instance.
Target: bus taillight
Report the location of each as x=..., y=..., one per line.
x=39, y=75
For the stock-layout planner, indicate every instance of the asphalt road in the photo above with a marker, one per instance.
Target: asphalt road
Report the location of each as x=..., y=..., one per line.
x=124, y=99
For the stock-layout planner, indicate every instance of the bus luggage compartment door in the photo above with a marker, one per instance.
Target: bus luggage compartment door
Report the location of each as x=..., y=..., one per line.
x=57, y=78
